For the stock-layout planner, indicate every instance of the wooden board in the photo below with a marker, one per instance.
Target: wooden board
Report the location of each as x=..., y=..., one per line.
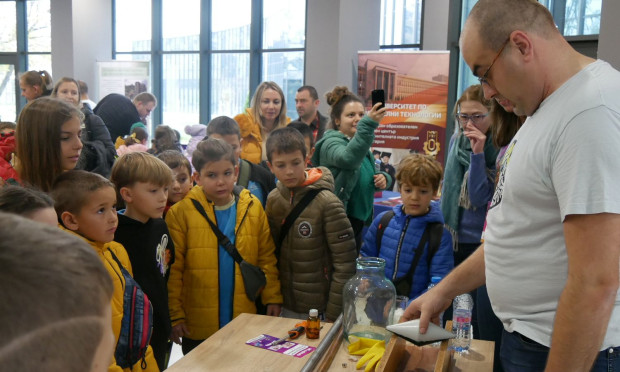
x=226, y=349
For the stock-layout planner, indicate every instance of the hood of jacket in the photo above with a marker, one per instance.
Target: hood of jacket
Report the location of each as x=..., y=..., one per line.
x=317, y=178
x=196, y=130
x=433, y=215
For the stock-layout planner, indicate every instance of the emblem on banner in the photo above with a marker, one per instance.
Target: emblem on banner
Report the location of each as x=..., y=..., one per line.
x=432, y=145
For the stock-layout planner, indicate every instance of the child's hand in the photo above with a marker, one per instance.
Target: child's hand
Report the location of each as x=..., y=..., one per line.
x=178, y=331
x=274, y=309
x=380, y=181
x=376, y=114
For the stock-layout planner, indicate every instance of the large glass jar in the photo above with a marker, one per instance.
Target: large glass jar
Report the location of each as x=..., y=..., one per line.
x=368, y=301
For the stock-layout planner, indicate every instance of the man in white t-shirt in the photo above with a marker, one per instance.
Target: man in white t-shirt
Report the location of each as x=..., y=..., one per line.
x=551, y=257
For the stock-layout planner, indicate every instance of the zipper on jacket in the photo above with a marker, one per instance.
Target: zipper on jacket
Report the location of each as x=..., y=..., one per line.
x=400, y=246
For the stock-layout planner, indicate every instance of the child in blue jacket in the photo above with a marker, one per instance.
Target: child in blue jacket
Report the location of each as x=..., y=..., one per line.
x=418, y=178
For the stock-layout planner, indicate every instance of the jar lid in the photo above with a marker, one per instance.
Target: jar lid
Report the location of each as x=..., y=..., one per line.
x=314, y=312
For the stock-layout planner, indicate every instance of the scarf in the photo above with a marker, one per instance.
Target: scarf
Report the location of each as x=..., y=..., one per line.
x=454, y=193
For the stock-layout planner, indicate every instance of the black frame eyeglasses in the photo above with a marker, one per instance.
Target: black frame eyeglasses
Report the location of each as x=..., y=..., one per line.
x=483, y=79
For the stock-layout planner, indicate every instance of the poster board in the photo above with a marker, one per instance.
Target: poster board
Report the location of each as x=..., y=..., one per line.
x=123, y=77
x=416, y=92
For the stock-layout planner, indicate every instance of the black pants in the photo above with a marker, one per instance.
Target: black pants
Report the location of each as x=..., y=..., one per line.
x=358, y=227
x=189, y=345
x=161, y=348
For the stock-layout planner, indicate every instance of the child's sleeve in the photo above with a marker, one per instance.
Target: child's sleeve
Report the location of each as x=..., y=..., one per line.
x=443, y=261
x=341, y=244
x=267, y=261
x=178, y=230
x=369, y=245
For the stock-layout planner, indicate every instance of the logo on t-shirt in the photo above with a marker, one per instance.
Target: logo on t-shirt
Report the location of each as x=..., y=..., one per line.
x=304, y=229
x=162, y=255
x=499, y=188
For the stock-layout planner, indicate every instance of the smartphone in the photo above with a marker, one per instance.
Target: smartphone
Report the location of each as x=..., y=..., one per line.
x=378, y=95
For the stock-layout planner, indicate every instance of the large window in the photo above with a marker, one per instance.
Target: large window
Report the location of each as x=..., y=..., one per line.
x=401, y=24
x=208, y=56
x=25, y=44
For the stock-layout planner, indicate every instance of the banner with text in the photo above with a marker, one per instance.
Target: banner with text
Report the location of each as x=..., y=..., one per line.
x=416, y=94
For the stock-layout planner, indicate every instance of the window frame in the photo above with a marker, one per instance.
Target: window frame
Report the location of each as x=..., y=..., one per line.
x=20, y=57
x=205, y=52
x=414, y=46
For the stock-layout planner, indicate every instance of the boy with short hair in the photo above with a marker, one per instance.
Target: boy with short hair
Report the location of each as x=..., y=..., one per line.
x=317, y=253
x=55, y=304
x=181, y=176
x=251, y=176
x=418, y=179
x=85, y=203
x=142, y=182
x=206, y=289
x=305, y=131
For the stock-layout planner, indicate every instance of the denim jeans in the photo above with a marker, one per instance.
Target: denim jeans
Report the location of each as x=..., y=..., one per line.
x=520, y=354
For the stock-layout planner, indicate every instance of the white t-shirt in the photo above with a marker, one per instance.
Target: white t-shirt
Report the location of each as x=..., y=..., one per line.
x=564, y=160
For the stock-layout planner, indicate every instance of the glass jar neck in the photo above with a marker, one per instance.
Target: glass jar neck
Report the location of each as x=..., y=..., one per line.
x=370, y=266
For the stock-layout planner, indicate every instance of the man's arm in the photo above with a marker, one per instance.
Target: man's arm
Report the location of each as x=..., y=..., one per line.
x=586, y=303
x=466, y=277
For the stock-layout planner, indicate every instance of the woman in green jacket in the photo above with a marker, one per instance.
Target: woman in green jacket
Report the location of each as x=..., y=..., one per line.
x=345, y=150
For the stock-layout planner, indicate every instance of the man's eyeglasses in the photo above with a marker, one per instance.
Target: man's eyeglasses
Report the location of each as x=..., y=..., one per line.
x=483, y=79
x=477, y=118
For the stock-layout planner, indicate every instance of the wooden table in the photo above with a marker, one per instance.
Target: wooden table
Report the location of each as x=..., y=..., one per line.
x=226, y=349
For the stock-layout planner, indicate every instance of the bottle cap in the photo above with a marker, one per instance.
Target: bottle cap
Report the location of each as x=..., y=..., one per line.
x=314, y=312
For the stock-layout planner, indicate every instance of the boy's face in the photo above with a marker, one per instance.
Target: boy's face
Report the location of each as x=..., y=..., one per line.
x=181, y=184
x=97, y=219
x=385, y=159
x=145, y=200
x=217, y=179
x=231, y=139
x=288, y=168
x=416, y=199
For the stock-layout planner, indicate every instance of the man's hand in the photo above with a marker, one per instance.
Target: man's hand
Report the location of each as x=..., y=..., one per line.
x=274, y=309
x=427, y=308
x=178, y=331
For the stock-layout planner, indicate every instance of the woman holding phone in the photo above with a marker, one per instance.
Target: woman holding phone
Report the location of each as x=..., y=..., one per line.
x=345, y=150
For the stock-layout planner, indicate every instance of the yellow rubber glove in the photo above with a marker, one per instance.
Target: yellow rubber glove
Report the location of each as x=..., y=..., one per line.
x=372, y=356
x=362, y=345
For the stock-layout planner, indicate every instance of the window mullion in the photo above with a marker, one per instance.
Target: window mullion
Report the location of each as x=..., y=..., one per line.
x=204, y=93
x=157, y=60
x=256, y=41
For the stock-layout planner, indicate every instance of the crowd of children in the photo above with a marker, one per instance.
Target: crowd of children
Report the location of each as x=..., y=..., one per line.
x=169, y=233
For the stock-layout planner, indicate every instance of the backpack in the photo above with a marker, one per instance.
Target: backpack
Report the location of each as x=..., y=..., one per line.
x=137, y=322
x=434, y=239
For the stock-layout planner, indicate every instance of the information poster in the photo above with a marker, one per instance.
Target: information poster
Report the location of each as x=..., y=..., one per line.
x=123, y=77
x=416, y=92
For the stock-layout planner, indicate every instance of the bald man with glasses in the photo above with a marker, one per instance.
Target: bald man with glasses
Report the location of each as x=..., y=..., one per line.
x=551, y=255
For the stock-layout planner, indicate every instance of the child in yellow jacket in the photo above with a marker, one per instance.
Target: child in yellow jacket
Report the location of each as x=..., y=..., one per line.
x=205, y=289
x=86, y=204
